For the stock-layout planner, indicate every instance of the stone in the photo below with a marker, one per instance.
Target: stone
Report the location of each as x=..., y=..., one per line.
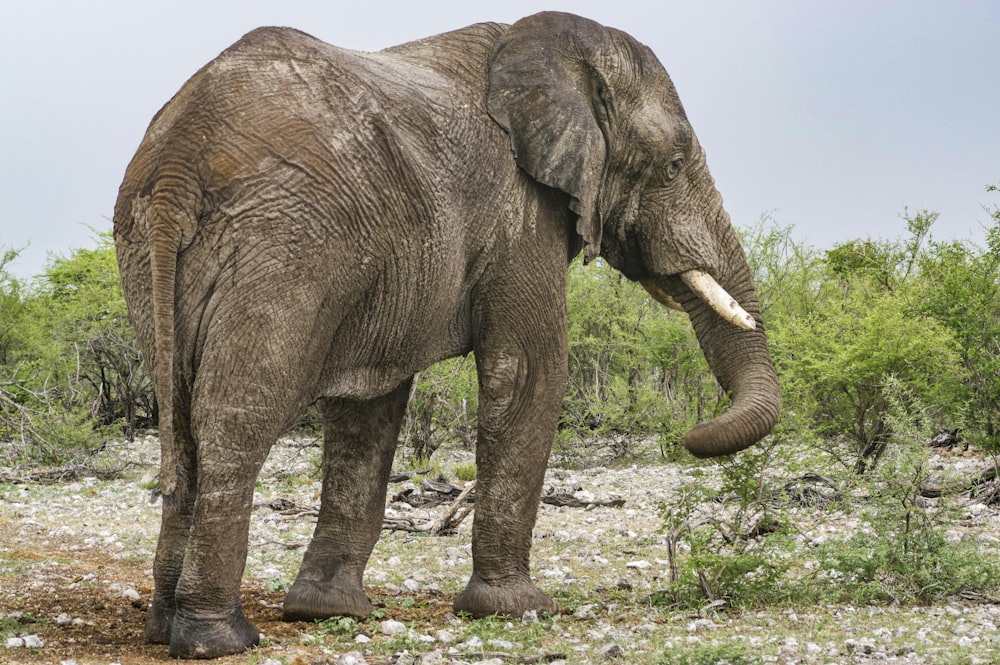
x=33, y=642
x=612, y=652
x=392, y=627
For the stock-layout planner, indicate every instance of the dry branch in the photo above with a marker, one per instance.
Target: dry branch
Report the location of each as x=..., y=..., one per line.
x=985, y=474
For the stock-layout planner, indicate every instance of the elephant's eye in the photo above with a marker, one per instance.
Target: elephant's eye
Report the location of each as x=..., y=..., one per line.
x=674, y=168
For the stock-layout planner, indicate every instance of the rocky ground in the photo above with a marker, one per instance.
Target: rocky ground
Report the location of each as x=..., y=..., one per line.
x=75, y=580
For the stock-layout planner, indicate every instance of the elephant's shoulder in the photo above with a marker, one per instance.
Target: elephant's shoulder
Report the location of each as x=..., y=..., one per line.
x=274, y=41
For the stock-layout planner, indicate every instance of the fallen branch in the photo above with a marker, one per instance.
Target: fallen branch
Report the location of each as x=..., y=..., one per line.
x=567, y=500
x=408, y=475
x=527, y=660
x=62, y=474
x=933, y=490
x=459, y=510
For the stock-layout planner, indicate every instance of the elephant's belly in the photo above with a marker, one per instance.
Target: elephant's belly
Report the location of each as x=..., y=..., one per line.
x=372, y=362
x=365, y=382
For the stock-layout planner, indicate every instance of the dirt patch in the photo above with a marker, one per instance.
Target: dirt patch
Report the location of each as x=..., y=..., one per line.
x=89, y=610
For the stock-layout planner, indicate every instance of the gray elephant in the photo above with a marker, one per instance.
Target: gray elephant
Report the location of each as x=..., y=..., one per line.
x=304, y=224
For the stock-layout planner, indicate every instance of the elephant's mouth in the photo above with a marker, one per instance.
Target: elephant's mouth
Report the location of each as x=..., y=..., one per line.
x=705, y=287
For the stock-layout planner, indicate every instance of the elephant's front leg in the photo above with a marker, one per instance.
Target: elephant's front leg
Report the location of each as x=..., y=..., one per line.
x=359, y=443
x=522, y=377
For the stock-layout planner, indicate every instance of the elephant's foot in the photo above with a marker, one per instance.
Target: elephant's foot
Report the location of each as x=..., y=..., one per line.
x=159, y=622
x=193, y=638
x=308, y=600
x=481, y=599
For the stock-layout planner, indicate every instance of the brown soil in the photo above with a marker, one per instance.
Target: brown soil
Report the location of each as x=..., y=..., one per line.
x=112, y=624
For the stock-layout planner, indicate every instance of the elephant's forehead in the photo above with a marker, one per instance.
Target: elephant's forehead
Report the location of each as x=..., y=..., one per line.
x=658, y=128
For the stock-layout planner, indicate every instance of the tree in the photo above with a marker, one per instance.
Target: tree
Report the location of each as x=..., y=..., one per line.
x=962, y=292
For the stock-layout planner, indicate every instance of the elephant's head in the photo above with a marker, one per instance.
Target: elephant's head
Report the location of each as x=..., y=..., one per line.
x=591, y=112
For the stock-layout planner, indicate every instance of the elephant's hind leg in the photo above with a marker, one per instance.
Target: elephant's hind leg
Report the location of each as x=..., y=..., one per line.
x=247, y=391
x=175, y=527
x=359, y=443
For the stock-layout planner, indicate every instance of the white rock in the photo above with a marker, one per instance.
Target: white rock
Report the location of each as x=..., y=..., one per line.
x=131, y=594
x=64, y=620
x=392, y=627
x=529, y=617
x=352, y=658
x=432, y=658
x=15, y=643
x=361, y=638
x=411, y=585
x=474, y=642
x=33, y=642
x=445, y=636
x=641, y=564
x=700, y=624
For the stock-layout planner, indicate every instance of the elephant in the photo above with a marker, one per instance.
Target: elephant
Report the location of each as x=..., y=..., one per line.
x=308, y=225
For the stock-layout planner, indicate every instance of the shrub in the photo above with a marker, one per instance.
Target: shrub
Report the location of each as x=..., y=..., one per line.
x=71, y=373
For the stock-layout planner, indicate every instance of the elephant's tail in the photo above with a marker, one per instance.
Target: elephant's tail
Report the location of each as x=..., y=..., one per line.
x=164, y=242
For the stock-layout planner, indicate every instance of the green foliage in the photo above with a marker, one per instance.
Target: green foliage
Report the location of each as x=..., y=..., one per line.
x=962, y=293
x=734, y=553
x=338, y=626
x=730, y=549
x=839, y=363
x=442, y=408
x=466, y=472
x=635, y=368
x=70, y=374
x=836, y=362
x=790, y=277
x=11, y=309
x=902, y=553
x=730, y=653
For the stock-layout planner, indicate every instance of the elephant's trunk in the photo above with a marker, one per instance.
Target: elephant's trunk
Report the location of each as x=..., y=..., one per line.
x=741, y=362
x=727, y=321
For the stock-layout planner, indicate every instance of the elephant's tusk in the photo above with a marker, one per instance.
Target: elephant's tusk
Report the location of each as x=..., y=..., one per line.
x=706, y=288
x=659, y=295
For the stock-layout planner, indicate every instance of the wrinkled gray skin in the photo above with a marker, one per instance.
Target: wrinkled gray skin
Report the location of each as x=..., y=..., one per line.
x=304, y=224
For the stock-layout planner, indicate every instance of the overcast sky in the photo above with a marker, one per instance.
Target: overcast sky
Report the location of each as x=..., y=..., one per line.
x=832, y=117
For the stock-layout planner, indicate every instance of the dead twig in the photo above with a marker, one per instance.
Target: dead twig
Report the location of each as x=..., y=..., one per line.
x=459, y=510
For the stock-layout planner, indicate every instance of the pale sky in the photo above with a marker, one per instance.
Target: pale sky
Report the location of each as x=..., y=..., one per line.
x=830, y=116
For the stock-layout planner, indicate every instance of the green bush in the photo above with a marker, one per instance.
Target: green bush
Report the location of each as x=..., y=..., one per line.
x=902, y=552
x=962, y=293
x=636, y=371
x=71, y=374
x=837, y=366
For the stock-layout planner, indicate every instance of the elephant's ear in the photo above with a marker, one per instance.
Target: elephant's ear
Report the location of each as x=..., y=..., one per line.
x=543, y=87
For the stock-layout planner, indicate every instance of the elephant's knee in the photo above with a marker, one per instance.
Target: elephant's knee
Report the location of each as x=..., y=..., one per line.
x=498, y=382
